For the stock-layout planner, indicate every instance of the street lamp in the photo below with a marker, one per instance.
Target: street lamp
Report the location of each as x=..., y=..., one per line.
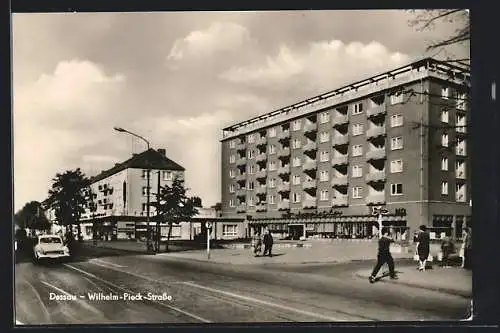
x=122, y=130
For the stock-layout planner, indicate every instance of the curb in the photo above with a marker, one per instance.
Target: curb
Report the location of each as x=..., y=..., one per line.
x=119, y=249
x=275, y=246
x=414, y=285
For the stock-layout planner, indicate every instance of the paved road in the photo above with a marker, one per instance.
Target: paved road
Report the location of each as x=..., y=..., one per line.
x=205, y=292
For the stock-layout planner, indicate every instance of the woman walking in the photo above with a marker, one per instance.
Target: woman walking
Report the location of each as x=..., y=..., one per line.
x=423, y=247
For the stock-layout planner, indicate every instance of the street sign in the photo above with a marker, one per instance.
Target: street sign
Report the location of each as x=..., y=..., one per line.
x=209, y=225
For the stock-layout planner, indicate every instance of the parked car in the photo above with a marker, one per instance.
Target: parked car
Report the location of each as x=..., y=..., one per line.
x=50, y=247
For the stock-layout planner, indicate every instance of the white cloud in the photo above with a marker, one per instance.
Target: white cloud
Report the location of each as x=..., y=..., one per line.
x=54, y=117
x=220, y=36
x=319, y=66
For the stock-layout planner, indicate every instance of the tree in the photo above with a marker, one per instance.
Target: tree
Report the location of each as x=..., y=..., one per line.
x=174, y=206
x=428, y=19
x=31, y=216
x=67, y=197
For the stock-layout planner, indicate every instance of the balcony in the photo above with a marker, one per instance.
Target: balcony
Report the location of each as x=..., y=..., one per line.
x=261, y=174
x=461, y=129
x=376, y=110
x=340, y=140
x=309, y=165
x=460, y=174
x=241, y=192
x=375, y=131
x=310, y=146
x=310, y=127
x=340, y=120
x=309, y=203
x=241, y=208
x=460, y=197
x=261, y=141
x=375, y=199
x=284, y=205
x=261, y=157
x=339, y=160
x=339, y=201
x=284, y=135
x=375, y=154
x=241, y=161
x=240, y=146
x=376, y=176
x=261, y=207
x=260, y=190
x=309, y=185
x=284, y=152
x=284, y=187
x=339, y=181
x=241, y=177
x=284, y=170
x=460, y=151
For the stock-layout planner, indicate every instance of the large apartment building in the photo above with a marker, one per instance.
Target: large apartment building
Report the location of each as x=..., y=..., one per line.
x=397, y=140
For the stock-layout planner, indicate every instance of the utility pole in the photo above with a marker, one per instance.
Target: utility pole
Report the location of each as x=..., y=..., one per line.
x=158, y=218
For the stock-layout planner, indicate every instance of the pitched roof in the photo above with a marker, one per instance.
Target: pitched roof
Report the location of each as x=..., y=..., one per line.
x=151, y=159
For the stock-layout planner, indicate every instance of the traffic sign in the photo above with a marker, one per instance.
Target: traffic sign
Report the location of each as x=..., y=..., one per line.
x=209, y=225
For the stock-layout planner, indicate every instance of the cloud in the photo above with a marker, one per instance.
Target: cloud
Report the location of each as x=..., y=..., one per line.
x=55, y=118
x=319, y=66
x=220, y=36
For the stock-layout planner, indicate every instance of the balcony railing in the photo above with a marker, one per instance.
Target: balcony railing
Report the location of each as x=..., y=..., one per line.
x=376, y=110
x=309, y=184
x=339, y=160
x=284, y=205
x=340, y=140
x=261, y=141
x=338, y=181
x=261, y=157
x=241, y=192
x=375, y=176
x=310, y=146
x=261, y=173
x=340, y=120
x=284, y=170
x=339, y=201
x=310, y=165
x=284, y=152
x=262, y=207
x=284, y=187
x=460, y=174
x=461, y=128
x=375, y=131
x=260, y=190
x=460, y=197
x=284, y=135
x=309, y=203
x=375, y=154
x=375, y=199
x=310, y=127
x=241, y=161
x=460, y=151
x=241, y=208
x=241, y=146
x=242, y=176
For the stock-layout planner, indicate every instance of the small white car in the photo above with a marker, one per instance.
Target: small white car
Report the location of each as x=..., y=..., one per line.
x=50, y=247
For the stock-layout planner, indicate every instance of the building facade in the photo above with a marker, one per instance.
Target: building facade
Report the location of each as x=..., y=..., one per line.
x=396, y=141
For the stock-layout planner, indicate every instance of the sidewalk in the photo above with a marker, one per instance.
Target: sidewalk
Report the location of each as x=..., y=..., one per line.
x=454, y=280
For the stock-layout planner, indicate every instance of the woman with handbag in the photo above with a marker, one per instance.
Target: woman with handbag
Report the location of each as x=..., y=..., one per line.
x=423, y=247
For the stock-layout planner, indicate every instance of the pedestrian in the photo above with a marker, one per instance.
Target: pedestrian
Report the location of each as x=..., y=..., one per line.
x=423, y=247
x=447, y=248
x=461, y=253
x=468, y=248
x=268, y=243
x=257, y=244
x=384, y=256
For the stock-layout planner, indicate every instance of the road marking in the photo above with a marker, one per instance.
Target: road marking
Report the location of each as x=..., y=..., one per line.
x=106, y=262
x=255, y=300
x=131, y=292
x=83, y=303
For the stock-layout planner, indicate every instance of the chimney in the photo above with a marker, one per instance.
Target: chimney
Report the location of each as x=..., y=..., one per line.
x=162, y=151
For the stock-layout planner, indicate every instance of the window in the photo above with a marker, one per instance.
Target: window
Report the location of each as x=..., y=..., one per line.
x=272, y=149
x=296, y=197
x=445, y=93
x=323, y=195
x=396, y=120
x=445, y=116
x=397, y=143
x=145, y=190
x=357, y=108
x=231, y=188
x=324, y=156
x=296, y=161
x=250, y=153
x=296, y=180
x=357, y=192
x=231, y=203
x=272, y=165
x=251, y=169
x=231, y=173
x=325, y=117
x=357, y=171
x=232, y=144
x=396, y=166
x=460, y=169
x=444, y=164
x=250, y=201
x=324, y=137
x=323, y=176
x=461, y=101
x=296, y=125
x=444, y=140
x=444, y=188
x=145, y=173
x=461, y=147
x=250, y=185
x=396, y=189
x=460, y=192
x=251, y=138
x=229, y=230
x=397, y=98
x=272, y=183
x=296, y=144
x=232, y=159
x=272, y=132
x=144, y=207
x=272, y=199
x=357, y=150
x=167, y=175
x=357, y=129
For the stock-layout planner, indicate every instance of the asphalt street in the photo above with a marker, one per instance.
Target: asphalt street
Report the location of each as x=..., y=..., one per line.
x=183, y=291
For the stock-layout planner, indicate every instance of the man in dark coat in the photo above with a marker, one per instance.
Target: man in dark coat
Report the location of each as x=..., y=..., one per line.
x=384, y=256
x=423, y=247
x=268, y=243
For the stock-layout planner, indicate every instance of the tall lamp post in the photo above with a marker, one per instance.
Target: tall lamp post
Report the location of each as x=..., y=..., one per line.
x=122, y=130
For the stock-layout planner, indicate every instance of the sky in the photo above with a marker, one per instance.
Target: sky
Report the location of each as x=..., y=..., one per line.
x=178, y=79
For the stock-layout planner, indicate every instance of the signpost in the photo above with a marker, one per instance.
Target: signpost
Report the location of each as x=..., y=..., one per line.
x=379, y=211
x=209, y=226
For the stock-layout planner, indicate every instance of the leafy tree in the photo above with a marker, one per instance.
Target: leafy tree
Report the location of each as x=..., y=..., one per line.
x=174, y=206
x=67, y=197
x=32, y=216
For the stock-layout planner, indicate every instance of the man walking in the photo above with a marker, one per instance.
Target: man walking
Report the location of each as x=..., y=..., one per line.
x=268, y=243
x=384, y=255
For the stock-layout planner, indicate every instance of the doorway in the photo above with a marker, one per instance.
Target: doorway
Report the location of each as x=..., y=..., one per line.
x=296, y=231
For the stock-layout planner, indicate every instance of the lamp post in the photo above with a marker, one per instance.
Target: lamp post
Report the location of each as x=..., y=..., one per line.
x=122, y=130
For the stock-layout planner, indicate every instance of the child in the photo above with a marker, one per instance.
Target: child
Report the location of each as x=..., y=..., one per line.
x=447, y=248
